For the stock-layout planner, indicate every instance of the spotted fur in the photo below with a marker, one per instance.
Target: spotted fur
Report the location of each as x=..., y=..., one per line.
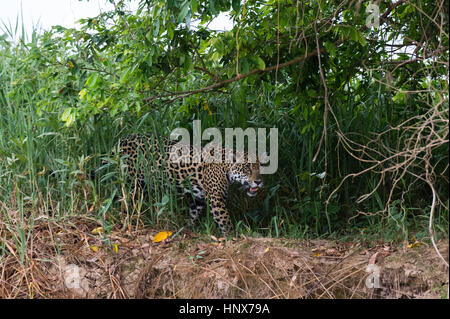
x=206, y=180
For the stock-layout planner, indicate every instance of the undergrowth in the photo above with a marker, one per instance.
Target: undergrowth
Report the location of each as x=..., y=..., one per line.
x=47, y=153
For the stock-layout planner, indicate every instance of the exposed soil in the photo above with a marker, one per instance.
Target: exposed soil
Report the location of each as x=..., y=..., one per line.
x=69, y=261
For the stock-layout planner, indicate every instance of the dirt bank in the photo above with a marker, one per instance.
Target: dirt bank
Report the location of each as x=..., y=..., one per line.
x=76, y=260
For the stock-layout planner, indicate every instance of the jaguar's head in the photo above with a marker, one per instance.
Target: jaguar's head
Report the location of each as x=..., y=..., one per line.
x=248, y=175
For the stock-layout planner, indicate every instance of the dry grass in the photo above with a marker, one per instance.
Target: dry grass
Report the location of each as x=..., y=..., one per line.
x=66, y=260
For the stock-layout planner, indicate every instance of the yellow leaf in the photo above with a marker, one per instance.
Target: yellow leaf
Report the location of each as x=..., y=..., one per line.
x=94, y=248
x=317, y=254
x=97, y=230
x=115, y=248
x=82, y=93
x=267, y=250
x=206, y=108
x=414, y=244
x=174, y=267
x=162, y=236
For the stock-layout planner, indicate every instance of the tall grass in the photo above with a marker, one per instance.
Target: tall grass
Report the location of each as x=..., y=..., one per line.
x=45, y=166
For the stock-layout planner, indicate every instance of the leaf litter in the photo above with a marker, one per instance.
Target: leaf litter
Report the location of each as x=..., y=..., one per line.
x=76, y=260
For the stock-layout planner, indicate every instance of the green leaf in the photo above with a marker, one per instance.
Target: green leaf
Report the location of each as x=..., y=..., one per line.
x=305, y=128
x=236, y=4
x=149, y=60
x=149, y=36
x=156, y=28
x=331, y=48
x=125, y=75
x=170, y=29
x=183, y=12
x=260, y=64
x=188, y=65
x=163, y=202
x=244, y=68
x=216, y=56
x=68, y=116
x=357, y=36
x=230, y=71
x=212, y=7
x=92, y=80
x=194, y=5
x=311, y=93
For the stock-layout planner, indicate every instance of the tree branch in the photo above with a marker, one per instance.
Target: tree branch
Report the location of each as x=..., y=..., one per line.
x=203, y=68
x=183, y=94
x=234, y=79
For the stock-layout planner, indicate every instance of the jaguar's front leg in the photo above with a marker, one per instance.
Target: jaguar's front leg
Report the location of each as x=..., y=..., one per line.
x=216, y=191
x=220, y=214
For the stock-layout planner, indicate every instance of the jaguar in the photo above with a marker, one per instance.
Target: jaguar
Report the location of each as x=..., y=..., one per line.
x=203, y=181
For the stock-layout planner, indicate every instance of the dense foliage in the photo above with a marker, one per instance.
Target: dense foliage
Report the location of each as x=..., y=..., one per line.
x=361, y=109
